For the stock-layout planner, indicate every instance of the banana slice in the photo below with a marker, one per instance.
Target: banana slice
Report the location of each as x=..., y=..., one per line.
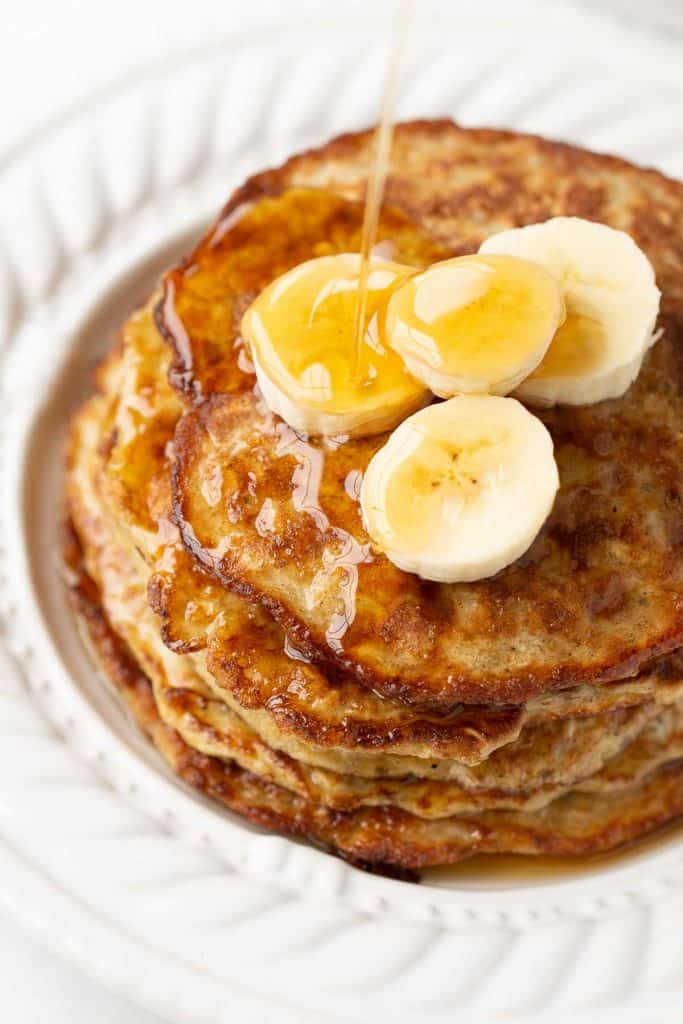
x=474, y=324
x=460, y=489
x=612, y=302
x=300, y=331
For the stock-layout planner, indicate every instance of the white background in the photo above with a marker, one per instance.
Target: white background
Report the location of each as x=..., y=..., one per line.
x=52, y=54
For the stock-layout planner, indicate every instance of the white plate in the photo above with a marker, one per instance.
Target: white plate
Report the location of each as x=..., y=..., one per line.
x=185, y=909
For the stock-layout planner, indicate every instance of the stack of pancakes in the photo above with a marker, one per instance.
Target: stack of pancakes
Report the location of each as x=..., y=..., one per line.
x=288, y=669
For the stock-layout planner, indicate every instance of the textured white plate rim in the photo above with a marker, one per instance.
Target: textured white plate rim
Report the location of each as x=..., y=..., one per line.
x=105, y=952
x=325, y=878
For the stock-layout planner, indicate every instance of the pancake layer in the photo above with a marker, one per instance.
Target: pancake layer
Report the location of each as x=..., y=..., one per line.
x=538, y=712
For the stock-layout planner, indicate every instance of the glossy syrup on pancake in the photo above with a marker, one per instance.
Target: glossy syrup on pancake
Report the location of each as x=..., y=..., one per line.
x=263, y=233
x=299, y=333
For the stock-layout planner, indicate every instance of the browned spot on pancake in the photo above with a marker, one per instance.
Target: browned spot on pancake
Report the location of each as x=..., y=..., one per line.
x=407, y=628
x=609, y=596
x=584, y=200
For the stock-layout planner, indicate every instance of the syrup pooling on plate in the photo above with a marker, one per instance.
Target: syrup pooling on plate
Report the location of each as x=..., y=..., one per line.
x=301, y=335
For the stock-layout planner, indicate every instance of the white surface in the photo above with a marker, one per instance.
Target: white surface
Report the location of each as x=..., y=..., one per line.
x=37, y=987
x=41, y=52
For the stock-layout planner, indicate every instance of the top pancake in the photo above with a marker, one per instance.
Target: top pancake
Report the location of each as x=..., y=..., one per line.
x=276, y=517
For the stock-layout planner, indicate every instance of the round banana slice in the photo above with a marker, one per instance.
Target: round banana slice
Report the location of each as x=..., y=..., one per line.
x=460, y=489
x=474, y=324
x=300, y=331
x=612, y=301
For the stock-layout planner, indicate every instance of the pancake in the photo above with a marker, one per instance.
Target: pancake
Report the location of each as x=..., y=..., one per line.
x=208, y=726
x=331, y=721
x=326, y=720
x=599, y=593
x=548, y=759
x=382, y=837
x=177, y=558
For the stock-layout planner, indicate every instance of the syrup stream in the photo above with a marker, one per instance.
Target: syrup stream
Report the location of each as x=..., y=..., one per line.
x=377, y=177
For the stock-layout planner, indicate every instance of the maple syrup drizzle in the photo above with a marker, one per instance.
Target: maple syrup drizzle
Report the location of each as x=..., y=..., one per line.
x=377, y=176
x=342, y=554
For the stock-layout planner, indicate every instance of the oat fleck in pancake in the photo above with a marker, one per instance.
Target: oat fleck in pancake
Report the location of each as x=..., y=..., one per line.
x=288, y=670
